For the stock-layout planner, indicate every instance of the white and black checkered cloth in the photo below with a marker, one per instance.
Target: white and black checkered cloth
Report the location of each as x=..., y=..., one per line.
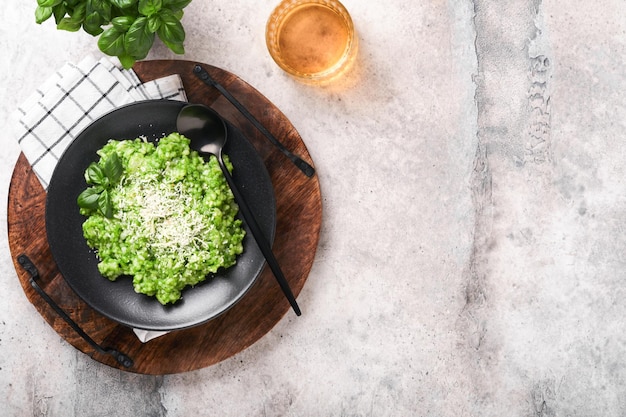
x=73, y=97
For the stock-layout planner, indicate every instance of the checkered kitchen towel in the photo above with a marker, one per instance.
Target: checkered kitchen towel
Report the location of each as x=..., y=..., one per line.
x=73, y=97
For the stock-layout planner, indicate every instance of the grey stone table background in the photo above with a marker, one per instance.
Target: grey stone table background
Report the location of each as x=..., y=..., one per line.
x=472, y=255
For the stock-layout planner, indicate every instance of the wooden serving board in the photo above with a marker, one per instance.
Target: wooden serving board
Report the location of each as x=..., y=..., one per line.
x=299, y=215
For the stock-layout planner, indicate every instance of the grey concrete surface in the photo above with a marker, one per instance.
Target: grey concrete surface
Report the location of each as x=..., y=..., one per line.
x=472, y=255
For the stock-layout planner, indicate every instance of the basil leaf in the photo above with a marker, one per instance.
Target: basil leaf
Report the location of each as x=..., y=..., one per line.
x=88, y=199
x=176, y=4
x=111, y=41
x=176, y=47
x=42, y=14
x=74, y=21
x=150, y=7
x=138, y=39
x=126, y=60
x=59, y=12
x=113, y=168
x=79, y=12
x=104, y=204
x=95, y=175
x=93, y=24
x=123, y=4
x=102, y=7
x=122, y=23
x=48, y=3
x=178, y=14
x=171, y=30
x=69, y=24
x=154, y=23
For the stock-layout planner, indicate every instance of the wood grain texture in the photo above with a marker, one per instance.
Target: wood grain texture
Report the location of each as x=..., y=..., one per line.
x=299, y=216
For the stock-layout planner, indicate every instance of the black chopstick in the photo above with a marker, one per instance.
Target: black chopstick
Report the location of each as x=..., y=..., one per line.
x=28, y=265
x=204, y=76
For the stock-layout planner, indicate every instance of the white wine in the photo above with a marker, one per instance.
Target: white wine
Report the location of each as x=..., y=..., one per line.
x=311, y=38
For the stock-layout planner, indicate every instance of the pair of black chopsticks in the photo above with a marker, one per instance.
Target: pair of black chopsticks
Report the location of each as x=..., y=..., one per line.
x=204, y=76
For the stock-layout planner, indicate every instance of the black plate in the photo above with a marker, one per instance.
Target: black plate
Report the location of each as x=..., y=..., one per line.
x=117, y=300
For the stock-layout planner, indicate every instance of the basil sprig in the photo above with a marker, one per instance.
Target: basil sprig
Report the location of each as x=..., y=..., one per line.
x=126, y=28
x=102, y=178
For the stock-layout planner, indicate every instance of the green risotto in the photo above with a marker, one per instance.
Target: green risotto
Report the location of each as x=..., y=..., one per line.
x=160, y=214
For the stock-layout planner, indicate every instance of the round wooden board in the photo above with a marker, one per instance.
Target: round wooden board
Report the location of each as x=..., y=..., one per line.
x=299, y=215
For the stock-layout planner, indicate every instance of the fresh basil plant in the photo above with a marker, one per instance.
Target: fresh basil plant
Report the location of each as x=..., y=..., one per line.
x=126, y=28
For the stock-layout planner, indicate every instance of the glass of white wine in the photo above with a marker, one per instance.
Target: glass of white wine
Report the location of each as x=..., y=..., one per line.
x=312, y=40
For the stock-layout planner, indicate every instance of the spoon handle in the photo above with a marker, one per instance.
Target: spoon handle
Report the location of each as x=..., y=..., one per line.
x=260, y=239
x=201, y=73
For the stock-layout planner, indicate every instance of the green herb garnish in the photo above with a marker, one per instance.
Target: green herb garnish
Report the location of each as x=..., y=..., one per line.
x=102, y=177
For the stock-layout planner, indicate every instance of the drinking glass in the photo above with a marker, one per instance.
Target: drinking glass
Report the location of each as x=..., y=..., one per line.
x=312, y=40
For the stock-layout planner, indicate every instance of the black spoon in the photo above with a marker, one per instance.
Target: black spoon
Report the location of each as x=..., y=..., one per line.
x=208, y=133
